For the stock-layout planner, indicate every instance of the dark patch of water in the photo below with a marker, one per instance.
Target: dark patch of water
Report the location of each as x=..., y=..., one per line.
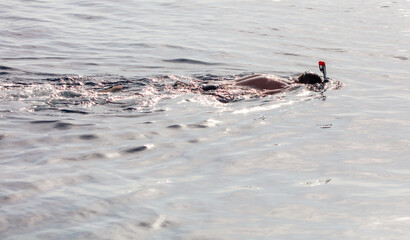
x=43, y=121
x=136, y=149
x=189, y=61
x=63, y=126
x=88, y=137
x=176, y=126
x=73, y=111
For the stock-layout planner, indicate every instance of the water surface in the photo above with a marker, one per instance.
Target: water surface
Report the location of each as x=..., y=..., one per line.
x=149, y=163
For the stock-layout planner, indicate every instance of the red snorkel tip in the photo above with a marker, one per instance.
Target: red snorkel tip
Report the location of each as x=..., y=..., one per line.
x=322, y=68
x=322, y=64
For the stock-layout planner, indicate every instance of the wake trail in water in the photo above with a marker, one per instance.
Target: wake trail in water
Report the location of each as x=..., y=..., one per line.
x=74, y=94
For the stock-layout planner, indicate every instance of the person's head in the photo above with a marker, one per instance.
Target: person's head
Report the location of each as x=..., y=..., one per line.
x=309, y=78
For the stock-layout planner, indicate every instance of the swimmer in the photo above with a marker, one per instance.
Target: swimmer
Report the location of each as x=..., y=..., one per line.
x=254, y=85
x=272, y=85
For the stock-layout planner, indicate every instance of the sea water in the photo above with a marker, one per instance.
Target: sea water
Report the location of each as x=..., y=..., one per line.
x=147, y=162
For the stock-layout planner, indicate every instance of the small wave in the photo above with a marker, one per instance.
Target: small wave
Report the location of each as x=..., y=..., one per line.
x=6, y=68
x=43, y=121
x=136, y=149
x=88, y=137
x=403, y=58
x=73, y=111
x=290, y=54
x=33, y=58
x=189, y=61
x=87, y=17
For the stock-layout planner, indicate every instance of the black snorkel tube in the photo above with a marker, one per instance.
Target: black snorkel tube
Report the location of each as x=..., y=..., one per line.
x=322, y=68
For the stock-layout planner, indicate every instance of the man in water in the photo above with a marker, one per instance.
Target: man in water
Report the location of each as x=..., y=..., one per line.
x=277, y=84
x=259, y=85
x=254, y=85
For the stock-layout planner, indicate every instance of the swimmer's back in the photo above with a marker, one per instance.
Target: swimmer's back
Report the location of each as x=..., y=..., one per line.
x=262, y=82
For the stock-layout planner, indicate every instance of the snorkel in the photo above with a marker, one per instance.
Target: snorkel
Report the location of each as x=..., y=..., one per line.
x=322, y=68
